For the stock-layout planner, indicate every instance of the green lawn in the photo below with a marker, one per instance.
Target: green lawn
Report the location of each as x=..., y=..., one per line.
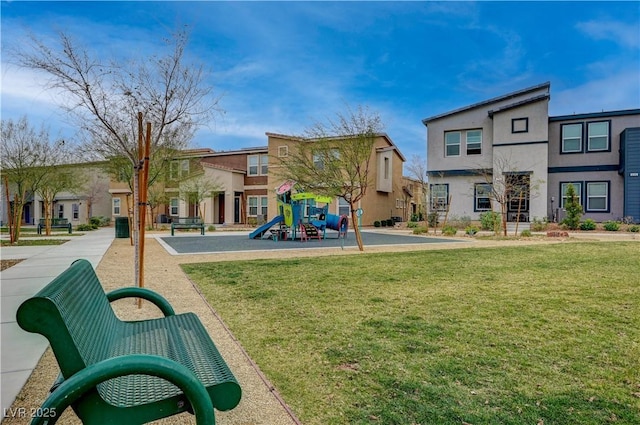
x=521, y=335
x=34, y=242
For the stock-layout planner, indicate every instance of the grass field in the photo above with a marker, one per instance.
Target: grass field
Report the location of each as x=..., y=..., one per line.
x=521, y=335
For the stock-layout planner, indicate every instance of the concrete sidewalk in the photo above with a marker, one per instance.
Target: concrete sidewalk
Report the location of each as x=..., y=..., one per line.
x=20, y=350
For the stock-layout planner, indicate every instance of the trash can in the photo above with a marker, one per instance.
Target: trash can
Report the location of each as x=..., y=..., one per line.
x=122, y=227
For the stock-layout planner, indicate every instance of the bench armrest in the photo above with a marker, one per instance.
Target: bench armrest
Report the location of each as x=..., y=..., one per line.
x=139, y=364
x=146, y=294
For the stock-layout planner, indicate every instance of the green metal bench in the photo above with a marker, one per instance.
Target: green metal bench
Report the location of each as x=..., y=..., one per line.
x=187, y=223
x=118, y=372
x=56, y=223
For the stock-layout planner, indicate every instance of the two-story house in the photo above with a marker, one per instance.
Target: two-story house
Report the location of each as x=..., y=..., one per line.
x=511, y=139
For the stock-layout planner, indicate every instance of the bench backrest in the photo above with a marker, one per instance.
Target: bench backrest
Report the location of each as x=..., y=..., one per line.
x=64, y=221
x=189, y=220
x=74, y=314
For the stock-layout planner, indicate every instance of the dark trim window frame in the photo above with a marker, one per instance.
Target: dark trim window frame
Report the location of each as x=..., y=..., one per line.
x=597, y=134
x=473, y=140
x=577, y=186
x=452, y=144
x=520, y=125
x=439, y=196
x=482, y=197
x=571, y=138
x=598, y=196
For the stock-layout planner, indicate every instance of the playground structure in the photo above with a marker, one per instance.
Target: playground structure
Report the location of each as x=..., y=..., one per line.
x=302, y=216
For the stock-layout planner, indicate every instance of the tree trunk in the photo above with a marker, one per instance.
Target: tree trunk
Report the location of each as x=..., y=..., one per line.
x=356, y=228
x=47, y=217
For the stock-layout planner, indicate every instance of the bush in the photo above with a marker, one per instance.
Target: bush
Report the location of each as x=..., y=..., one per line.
x=411, y=224
x=434, y=219
x=471, y=230
x=635, y=228
x=490, y=220
x=588, y=224
x=611, y=226
x=420, y=230
x=416, y=217
x=85, y=227
x=211, y=228
x=390, y=222
x=573, y=209
x=449, y=230
x=376, y=223
x=99, y=221
x=383, y=223
x=538, y=225
x=525, y=233
x=460, y=222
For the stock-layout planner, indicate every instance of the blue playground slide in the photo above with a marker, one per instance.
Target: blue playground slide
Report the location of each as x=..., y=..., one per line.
x=256, y=234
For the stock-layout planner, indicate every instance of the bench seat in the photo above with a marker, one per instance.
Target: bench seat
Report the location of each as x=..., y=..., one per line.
x=147, y=369
x=187, y=223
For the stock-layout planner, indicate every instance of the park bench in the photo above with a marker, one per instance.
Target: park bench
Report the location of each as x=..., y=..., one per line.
x=187, y=223
x=56, y=223
x=120, y=372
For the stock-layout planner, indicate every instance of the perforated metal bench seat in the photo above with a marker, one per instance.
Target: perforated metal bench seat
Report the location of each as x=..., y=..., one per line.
x=148, y=369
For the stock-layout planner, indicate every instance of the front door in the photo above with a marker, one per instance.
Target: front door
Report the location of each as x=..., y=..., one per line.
x=236, y=209
x=221, y=207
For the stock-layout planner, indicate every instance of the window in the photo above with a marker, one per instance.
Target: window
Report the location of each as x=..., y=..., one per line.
x=452, y=143
x=320, y=158
x=520, y=125
x=400, y=204
x=597, y=196
x=283, y=151
x=439, y=197
x=474, y=142
x=178, y=169
x=482, y=197
x=386, y=168
x=258, y=165
x=60, y=210
x=571, y=138
x=254, y=161
x=343, y=206
x=598, y=136
x=264, y=201
x=115, y=204
x=577, y=187
x=264, y=165
x=253, y=205
x=174, y=203
x=75, y=211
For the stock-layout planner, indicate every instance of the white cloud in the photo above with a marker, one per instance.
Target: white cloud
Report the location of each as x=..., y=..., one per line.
x=618, y=32
x=608, y=93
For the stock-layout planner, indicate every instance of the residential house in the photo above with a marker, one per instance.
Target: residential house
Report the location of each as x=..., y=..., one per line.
x=512, y=139
x=385, y=197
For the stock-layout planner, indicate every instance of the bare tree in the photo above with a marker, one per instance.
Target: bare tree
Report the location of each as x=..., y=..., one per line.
x=56, y=178
x=332, y=158
x=196, y=189
x=24, y=157
x=107, y=97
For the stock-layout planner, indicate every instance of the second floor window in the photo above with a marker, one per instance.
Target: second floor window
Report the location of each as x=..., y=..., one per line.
x=571, y=138
x=452, y=143
x=174, y=204
x=474, y=142
x=598, y=136
x=178, y=169
x=258, y=165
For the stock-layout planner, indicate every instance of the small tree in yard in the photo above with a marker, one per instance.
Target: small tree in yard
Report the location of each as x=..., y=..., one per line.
x=573, y=208
x=196, y=189
x=57, y=179
x=332, y=158
x=417, y=169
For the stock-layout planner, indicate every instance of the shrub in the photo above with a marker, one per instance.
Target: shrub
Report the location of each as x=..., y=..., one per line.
x=411, y=224
x=390, y=222
x=525, y=233
x=99, y=221
x=85, y=227
x=611, y=226
x=449, y=230
x=635, y=228
x=538, y=225
x=376, y=223
x=461, y=222
x=211, y=228
x=588, y=224
x=573, y=208
x=434, y=219
x=490, y=220
x=471, y=230
x=420, y=230
x=383, y=223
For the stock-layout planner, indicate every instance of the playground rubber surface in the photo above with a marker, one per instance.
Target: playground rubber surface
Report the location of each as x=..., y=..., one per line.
x=225, y=242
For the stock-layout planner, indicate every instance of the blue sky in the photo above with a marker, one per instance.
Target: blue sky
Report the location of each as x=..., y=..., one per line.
x=279, y=66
